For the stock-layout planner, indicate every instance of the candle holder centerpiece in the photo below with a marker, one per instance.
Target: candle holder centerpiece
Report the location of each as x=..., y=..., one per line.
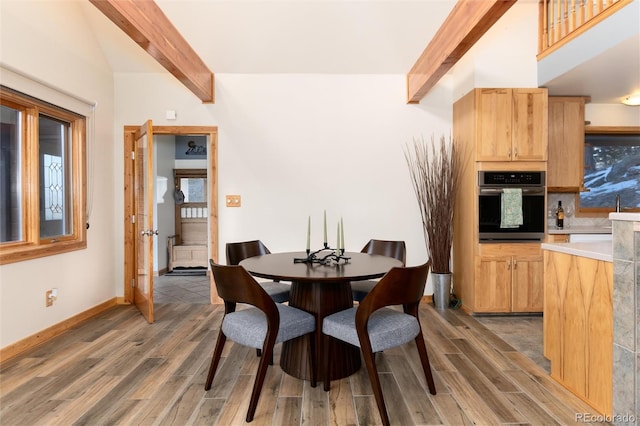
x=334, y=256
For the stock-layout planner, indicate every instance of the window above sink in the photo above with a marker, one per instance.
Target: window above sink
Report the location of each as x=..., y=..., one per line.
x=611, y=169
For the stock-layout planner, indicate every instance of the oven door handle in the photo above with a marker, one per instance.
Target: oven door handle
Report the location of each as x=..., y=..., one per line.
x=528, y=191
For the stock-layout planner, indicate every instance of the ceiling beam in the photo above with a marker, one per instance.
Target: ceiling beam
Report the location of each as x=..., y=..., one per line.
x=467, y=22
x=148, y=26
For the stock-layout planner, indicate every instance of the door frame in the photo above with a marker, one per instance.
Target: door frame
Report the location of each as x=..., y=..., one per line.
x=130, y=198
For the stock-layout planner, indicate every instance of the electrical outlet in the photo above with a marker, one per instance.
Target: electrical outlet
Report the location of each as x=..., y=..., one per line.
x=51, y=296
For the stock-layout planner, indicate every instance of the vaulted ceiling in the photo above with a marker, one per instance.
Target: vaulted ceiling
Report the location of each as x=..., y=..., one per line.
x=300, y=36
x=309, y=36
x=146, y=24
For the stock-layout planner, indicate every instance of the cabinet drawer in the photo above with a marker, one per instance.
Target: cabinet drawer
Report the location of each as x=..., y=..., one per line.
x=510, y=249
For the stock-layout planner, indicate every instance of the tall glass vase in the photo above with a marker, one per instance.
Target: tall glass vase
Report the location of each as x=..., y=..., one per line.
x=441, y=290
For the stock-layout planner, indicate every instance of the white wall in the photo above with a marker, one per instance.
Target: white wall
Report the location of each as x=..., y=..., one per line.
x=295, y=145
x=70, y=60
x=612, y=115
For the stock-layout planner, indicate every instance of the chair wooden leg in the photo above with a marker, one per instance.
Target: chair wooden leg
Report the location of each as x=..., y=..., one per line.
x=215, y=359
x=326, y=365
x=426, y=366
x=259, y=354
x=267, y=354
x=372, y=370
x=313, y=362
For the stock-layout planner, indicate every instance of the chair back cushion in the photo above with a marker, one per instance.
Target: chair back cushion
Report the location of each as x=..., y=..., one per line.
x=237, y=252
x=395, y=249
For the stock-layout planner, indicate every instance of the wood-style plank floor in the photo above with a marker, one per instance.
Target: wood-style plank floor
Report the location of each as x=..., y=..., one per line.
x=116, y=369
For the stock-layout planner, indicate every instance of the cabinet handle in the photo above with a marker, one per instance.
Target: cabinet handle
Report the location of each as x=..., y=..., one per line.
x=515, y=263
x=508, y=264
x=509, y=152
x=515, y=152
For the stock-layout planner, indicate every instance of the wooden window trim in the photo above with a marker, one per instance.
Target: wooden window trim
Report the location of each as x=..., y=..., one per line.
x=31, y=246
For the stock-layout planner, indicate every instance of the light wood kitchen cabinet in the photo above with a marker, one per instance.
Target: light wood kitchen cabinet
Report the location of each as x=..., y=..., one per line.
x=527, y=285
x=511, y=124
x=566, y=144
x=493, y=284
x=578, y=326
x=489, y=127
x=509, y=283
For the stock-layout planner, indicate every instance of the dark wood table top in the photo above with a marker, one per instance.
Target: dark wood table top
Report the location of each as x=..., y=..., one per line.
x=280, y=266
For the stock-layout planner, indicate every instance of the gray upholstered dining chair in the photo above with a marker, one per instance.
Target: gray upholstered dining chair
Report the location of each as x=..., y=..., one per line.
x=260, y=326
x=237, y=252
x=374, y=326
x=396, y=249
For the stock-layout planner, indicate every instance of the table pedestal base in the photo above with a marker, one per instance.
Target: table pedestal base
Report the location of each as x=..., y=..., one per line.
x=321, y=300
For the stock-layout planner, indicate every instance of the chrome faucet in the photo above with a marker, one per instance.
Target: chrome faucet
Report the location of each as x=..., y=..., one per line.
x=618, y=203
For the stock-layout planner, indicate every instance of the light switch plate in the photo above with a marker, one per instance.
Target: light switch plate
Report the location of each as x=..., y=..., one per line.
x=234, y=201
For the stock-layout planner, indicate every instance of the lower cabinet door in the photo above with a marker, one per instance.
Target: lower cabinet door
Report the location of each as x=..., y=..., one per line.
x=527, y=286
x=493, y=284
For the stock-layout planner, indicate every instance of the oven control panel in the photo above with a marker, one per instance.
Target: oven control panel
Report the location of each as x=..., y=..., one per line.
x=511, y=179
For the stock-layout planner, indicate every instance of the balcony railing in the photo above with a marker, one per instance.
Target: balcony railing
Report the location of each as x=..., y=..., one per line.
x=563, y=20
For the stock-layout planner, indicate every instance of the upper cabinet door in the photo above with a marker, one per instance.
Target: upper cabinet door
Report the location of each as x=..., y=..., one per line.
x=529, y=125
x=493, y=137
x=566, y=143
x=511, y=124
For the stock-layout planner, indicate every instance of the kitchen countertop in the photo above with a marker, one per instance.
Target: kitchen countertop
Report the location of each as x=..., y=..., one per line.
x=631, y=217
x=599, y=250
x=580, y=230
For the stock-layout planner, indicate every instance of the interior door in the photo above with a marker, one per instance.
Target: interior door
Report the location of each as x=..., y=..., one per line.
x=143, y=184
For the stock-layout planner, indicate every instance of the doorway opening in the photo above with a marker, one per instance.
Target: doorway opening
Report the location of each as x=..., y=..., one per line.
x=162, y=187
x=187, y=246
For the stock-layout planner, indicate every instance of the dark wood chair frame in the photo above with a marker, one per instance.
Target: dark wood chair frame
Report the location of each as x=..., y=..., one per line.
x=400, y=286
x=389, y=248
x=237, y=252
x=395, y=249
x=235, y=285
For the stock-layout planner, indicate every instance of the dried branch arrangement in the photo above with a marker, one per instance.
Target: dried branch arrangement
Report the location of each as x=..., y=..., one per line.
x=435, y=173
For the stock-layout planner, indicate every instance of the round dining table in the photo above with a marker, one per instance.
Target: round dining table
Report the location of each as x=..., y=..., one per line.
x=320, y=290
